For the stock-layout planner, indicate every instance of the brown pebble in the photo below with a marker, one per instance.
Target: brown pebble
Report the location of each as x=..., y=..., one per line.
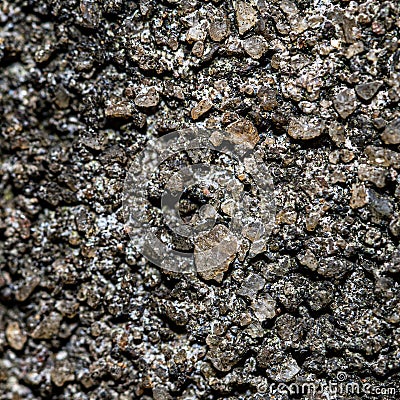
x=267, y=98
x=255, y=46
x=26, y=290
x=372, y=174
x=201, y=108
x=359, y=197
x=380, y=156
x=62, y=372
x=147, y=98
x=391, y=135
x=243, y=132
x=15, y=336
x=305, y=129
x=246, y=16
x=48, y=327
x=214, y=251
x=196, y=33
x=219, y=29
x=120, y=109
x=198, y=49
x=368, y=90
x=345, y=103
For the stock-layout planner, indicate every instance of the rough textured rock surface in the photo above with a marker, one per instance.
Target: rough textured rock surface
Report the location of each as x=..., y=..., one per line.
x=313, y=86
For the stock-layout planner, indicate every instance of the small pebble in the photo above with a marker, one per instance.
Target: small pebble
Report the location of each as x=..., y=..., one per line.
x=246, y=16
x=15, y=336
x=201, y=108
x=368, y=90
x=345, y=103
x=391, y=135
x=243, y=132
x=147, y=98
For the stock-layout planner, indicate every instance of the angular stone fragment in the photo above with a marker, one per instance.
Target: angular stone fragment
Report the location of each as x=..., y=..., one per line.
x=337, y=133
x=173, y=91
x=267, y=98
x=24, y=291
x=252, y=285
x=198, y=49
x=289, y=328
x=380, y=156
x=62, y=372
x=333, y=267
x=90, y=13
x=359, y=196
x=381, y=205
x=305, y=129
x=346, y=155
x=372, y=174
x=67, y=308
x=255, y=46
x=48, y=327
x=288, y=7
x=201, y=108
x=243, y=132
x=214, y=251
x=233, y=46
x=264, y=308
x=197, y=33
x=286, y=216
x=285, y=370
x=368, y=90
x=125, y=109
x=147, y=98
x=219, y=29
x=348, y=26
x=176, y=314
x=16, y=338
x=62, y=97
x=312, y=219
x=391, y=134
x=225, y=352
x=246, y=16
x=354, y=49
x=120, y=109
x=345, y=103
x=279, y=366
x=309, y=260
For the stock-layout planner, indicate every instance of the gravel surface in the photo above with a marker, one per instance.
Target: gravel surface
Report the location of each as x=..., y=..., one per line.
x=313, y=86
